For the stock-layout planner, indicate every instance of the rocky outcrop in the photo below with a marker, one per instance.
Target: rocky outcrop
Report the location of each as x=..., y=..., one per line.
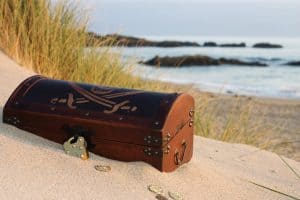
x=225, y=61
x=181, y=61
x=174, y=44
x=196, y=60
x=293, y=63
x=210, y=44
x=267, y=45
x=128, y=41
x=214, y=44
x=242, y=44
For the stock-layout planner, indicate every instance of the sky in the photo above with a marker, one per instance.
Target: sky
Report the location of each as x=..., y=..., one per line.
x=251, y=18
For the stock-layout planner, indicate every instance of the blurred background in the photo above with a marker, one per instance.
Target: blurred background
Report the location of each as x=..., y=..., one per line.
x=218, y=21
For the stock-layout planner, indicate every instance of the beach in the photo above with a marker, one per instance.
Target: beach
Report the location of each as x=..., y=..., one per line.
x=271, y=124
x=35, y=168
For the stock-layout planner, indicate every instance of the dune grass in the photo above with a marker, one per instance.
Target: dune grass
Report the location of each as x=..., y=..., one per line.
x=274, y=190
x=51, y=40
x=232, y=121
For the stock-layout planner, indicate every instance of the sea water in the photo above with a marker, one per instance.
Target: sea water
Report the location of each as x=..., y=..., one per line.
x=276, y=81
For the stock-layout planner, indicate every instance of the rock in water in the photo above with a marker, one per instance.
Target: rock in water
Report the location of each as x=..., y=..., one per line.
x=233, y=45
x=175, y=44
x=267, y=45
x=214, y=44
x=181, y=61
x=210, y=44
x=129, y=41
x=225, y=61
x=196, y=60
x=294, y=63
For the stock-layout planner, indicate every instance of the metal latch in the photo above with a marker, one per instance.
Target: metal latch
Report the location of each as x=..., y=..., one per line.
x=76, y=146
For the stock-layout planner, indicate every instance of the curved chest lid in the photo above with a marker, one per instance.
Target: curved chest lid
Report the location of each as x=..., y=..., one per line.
x=78, y=100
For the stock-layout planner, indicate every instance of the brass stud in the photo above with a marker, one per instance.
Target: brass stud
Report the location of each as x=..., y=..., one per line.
x=167, y=150
x=191, y=123
x=191, y=113
x=168, y=137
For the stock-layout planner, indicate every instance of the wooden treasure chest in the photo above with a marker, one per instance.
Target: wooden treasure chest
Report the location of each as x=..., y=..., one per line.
x=121, y=124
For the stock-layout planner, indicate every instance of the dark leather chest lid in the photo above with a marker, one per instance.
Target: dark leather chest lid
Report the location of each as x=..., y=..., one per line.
x=77, y=100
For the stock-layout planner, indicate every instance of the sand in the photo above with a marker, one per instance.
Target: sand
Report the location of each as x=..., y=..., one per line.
x=34, y=168
x=271, y=124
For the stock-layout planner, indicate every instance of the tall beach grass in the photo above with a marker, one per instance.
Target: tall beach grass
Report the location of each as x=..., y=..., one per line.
x=51, y=40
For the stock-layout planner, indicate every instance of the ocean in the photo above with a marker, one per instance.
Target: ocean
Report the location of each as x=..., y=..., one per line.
x=275, y=81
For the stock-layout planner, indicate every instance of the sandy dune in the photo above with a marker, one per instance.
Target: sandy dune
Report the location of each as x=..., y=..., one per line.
x=34, y=168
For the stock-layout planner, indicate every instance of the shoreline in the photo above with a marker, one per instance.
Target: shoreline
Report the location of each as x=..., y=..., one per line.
x=293, y=101
x=225, y=84
x=193, y=88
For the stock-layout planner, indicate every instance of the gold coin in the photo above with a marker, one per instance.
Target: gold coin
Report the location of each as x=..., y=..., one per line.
x=102, y=168
x=175, y=195
x=155, y=189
